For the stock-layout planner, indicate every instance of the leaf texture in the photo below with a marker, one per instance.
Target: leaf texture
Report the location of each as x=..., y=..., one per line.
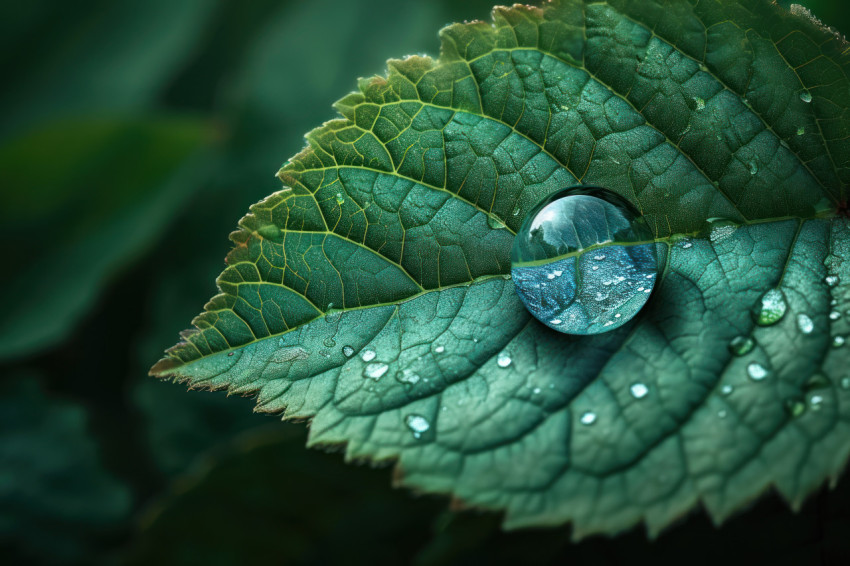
x=371, y=295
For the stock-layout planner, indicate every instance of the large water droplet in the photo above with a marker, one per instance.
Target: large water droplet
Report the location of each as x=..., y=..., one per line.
x=375, y=370
x=770, y=308
x=588, y=418
x=503, y=359
x=347, y=351
x=417, y=424
x=805, y=324
x=741, y=345
x=699, y=102
x=756, y=371
x=639, y=390
x=367, y=355
x=605, y=251
x=815, y=401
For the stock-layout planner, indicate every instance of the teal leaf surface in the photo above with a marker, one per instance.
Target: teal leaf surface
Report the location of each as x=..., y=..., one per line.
x=371, y=294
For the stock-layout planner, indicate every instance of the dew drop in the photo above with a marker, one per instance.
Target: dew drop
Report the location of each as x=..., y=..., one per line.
x=727, y=390
x=440, y=349
x=588, y=418
x=834, y=315
x=367, y=355
x=845, y=383
x=700, y=103
x=816, y=401
x=801, y=130
x=805, y=324
x=536, y=390
x=329, y=342
x=770, y=308
x=495, y=223
x=515, y=211
x=229, y=354
x=503, y=359
x=753, y=166
x=831, y=280
x=639, y=390
x=756, y=371
x=741, y=345
x=408, y=376
x=686, y=244
x=347, y=351
x=838, y=341
x=375, y=370
x=556, y=237
x=417, y=424
x=340, y=199
x=806, y=96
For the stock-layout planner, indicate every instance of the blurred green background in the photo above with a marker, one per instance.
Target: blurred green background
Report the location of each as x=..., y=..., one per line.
x=134, y=135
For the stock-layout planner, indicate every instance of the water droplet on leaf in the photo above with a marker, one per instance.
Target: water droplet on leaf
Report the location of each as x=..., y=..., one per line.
x=756, y=371
x=795, y=407
x=588, y=418
x=596, y=240
x=741, y=345
x=805, y=324
x=700, y=103
x=834, y=315
x=770, y=308
x=375, y=370
x=837, y=341
x=417, y=424
x=845, y=383
x=329, y=342
x=727, y=390
x=831, y=280
x=806, y=96
x=639, y=390
x=348, y=351
x=408, y=376
x=503, y=359
x=367, y=355
x=340, y=199
x=440, y=349
x=801, y=130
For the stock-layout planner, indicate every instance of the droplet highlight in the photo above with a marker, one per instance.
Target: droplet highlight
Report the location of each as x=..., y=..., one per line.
x=417, y=424
x=639, y=390
x=367, y=355
x=770, y=308
x=602, y=251
x=503, y=360
x=806, y=96
x=347, y=351
x=588, y=418
x=805, y=323
x=741, y=345
x=756, y=371
x=375, y=370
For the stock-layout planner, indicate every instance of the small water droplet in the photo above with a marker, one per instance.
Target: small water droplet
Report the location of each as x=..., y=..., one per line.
x=347, y=351
x=375, y=370
x=556, y=321
x=558, y=272
x=727, y=389
x=550, y=276
x=515, y=211
x=845, y=383
x=801, y=130
x=795, y=407
x=367, y=355
x=771, y=308
x=417, y=424
x=599, y=257
x=503, y=359
x=753, y=166
x=756, y=371
x=536, y=390
x=721, y=413
x=834, y=315
x=329, y=342
x=408, y=376
x=686, y=244
x=594, y=267
x=806, y=96
x=229, y=354
x=639, y=390
x=440, y=349
x=741, y=345
x=816, y=401
x=805, y=323
x=495, y=223
x=831, y=280
x=340, y=199
x=588, y=418
x=700, y=103
x=837, y=341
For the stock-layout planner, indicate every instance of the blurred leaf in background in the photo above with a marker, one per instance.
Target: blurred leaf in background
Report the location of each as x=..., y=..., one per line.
x=125, y=127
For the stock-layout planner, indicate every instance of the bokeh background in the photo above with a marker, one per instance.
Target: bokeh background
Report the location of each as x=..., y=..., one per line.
x=133, y=136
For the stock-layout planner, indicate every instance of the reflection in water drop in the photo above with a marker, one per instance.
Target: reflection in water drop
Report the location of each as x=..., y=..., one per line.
x=771, y=308
x=588, y=418
x=741, y=345
x=806, y=96
x=408, y=376
x=440, y=349
x=834, y=315
x=367, y=355
x=837, y=341
x=845, y=383
x=417, y=424
x=756, y=371
x=348, y=351
x=727, y=390
x=805, y=324
x=601, y=252
x=831, y=280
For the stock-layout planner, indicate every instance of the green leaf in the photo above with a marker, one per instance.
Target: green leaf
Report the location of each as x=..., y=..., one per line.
x=70, y=222
x=371, y=295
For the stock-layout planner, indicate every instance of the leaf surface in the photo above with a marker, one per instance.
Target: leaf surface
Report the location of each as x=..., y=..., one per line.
x=370, y=294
